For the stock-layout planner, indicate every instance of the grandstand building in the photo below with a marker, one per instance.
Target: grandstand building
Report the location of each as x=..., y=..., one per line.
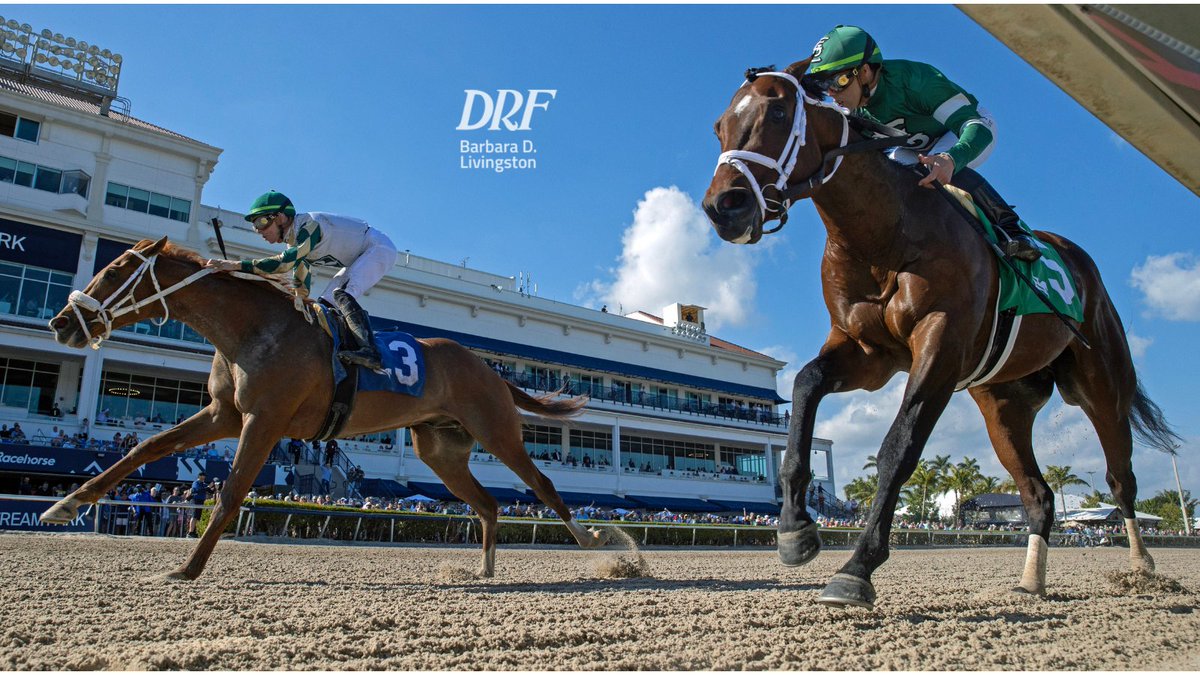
x=678, y=418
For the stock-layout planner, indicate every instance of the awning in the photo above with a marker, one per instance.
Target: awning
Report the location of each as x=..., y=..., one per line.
x=673, y=503
x=602, y=500
x=434, y=490
x=385, y=488
x=509, y=495
x=766, y=508
x=578, y=360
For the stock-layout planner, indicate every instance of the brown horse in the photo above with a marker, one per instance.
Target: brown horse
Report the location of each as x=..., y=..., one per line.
x=271, y=378
x=909, y=286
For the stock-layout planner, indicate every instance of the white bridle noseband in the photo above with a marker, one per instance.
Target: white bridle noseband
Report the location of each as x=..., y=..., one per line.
x=125, y=304
x=786, y=162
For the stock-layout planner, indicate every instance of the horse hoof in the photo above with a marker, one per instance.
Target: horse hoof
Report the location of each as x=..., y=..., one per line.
x=177, y=576
x=1143, y=564
x=846, y=590
x=62, y=513
x=1021, y=590
x=799, y=547
x=599, y=538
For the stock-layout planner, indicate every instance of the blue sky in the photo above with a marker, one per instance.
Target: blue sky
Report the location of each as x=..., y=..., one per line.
x=354, y=109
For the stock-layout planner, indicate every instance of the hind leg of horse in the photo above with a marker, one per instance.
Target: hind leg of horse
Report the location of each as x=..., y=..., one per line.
x=260, y=432
x=841, y=366
x=1105, y=390
x=503, y=439
x=447, y=453
x=1009, y=410
x=936, y=364
x=209, y=424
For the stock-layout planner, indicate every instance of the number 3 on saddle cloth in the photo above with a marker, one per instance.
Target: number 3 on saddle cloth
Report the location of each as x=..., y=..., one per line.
x=1049, y=273
x=403, y=369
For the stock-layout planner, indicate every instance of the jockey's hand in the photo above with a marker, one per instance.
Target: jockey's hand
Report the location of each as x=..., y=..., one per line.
x=223, y=265
x=941, y=169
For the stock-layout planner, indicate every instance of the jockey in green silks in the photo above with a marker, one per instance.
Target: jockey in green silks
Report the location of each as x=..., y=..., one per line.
x=949, y=132
x=363, y=253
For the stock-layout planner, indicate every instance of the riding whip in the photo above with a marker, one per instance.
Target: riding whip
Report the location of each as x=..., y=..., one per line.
x=975, y=225
x=216, y=223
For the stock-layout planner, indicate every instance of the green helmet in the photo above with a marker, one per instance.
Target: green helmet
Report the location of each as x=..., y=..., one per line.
x=270, y=202
x=842, y=48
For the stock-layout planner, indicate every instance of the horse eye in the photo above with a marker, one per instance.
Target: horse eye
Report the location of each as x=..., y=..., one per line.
x=778, y=113
x=110, y=274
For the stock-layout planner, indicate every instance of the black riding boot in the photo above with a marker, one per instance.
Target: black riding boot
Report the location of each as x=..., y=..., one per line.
x=1019, y=243
x=356, y=319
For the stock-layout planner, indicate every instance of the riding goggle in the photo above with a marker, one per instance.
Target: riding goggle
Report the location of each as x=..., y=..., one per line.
x=263, y=222
x=838, y=82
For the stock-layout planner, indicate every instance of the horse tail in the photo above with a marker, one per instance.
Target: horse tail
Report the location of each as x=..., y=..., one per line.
x=1149, y=425
x=547, y=405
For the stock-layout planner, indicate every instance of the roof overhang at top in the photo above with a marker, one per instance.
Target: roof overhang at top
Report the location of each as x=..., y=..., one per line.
x=1135, y=67
x=578, y=360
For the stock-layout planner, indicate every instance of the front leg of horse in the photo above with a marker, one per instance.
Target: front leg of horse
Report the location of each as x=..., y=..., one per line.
x=930, y=386
x=205, y=426
x=259, y=435
x=841, y=366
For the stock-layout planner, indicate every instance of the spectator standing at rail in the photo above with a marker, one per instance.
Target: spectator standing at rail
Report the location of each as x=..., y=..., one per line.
x=199, y=495
x=331, y=450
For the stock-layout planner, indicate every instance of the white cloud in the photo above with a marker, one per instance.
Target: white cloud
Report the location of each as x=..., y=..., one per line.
x=1138, y=345
x=670, y=254
x=1170, y=285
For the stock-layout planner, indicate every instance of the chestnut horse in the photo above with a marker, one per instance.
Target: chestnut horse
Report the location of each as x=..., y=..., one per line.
x=910, y=286
x=271, y=378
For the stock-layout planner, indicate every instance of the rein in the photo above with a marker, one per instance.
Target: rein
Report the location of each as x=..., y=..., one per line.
x=78, y=300
x=786, y=163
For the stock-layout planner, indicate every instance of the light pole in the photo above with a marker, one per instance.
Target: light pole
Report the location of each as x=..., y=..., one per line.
x=1187, y=521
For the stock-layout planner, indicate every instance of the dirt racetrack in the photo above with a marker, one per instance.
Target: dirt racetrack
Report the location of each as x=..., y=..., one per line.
x=90, y=602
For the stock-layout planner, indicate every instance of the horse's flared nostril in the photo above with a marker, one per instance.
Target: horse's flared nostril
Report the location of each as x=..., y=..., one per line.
x=59, y=322
x=733, y=202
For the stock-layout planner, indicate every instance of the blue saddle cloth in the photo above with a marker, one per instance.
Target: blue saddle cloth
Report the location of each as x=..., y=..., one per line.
x=403, y=362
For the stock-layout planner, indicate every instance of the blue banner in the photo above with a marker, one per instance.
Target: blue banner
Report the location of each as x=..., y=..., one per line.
x=36, y=459
x=22, y=514
x=39, y=246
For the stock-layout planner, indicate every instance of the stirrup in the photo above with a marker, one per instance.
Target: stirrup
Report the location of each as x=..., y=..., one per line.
x=1020, y=248
x=366, y=358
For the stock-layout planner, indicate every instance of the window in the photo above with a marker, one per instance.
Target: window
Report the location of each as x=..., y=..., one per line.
x=47, y=179
x=655, y=454
x=28, y=384
x=44, y=177
x=591, y=449
x=743, y=461
x=32, y=291
x=19, y=127
x=542, y=442
x=159, y=400
x=144, y=201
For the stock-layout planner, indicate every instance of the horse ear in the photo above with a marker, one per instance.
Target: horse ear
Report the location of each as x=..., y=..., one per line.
x=156, y=247
x=798, y=68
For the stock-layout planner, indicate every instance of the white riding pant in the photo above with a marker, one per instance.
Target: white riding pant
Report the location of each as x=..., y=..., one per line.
x=908, y=157
x=377, y=258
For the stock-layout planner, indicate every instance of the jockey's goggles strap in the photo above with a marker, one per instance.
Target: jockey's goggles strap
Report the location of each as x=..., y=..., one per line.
x=786, y=162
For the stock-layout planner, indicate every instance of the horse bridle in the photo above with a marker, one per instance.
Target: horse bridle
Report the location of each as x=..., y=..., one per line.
x=786, y=163
x=78, y=300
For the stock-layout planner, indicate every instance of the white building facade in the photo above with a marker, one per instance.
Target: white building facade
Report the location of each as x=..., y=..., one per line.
x=674, y=413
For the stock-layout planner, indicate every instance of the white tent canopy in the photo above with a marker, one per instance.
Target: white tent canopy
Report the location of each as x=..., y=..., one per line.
x=1100, y=513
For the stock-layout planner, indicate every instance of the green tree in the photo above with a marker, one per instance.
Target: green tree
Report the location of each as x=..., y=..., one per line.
x=959, y=480
x=1093, y=500
x=1008, y=486
x=871, y=463
x=1059, y=477
x=924, y=482
x=863, y=490
x=984, y=485
x=1165, y=505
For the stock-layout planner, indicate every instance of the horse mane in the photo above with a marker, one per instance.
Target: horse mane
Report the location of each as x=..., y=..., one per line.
x=171, y=250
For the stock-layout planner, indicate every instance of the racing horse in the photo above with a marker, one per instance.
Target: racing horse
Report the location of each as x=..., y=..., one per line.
x=271, y=377
x=909, y=286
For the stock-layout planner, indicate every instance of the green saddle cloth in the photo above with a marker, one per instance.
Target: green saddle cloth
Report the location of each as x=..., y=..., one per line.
x=1049, y=273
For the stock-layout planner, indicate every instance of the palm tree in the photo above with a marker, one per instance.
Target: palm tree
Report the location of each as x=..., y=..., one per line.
x=1008, y=486
x=925, y=477
x=863, y=490
x=872, y=463
x=1059, y=477
x=985, y=485
x=960, y=478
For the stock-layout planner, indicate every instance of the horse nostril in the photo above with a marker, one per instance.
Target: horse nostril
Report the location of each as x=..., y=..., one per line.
x=731, y=201
x=58, y=322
